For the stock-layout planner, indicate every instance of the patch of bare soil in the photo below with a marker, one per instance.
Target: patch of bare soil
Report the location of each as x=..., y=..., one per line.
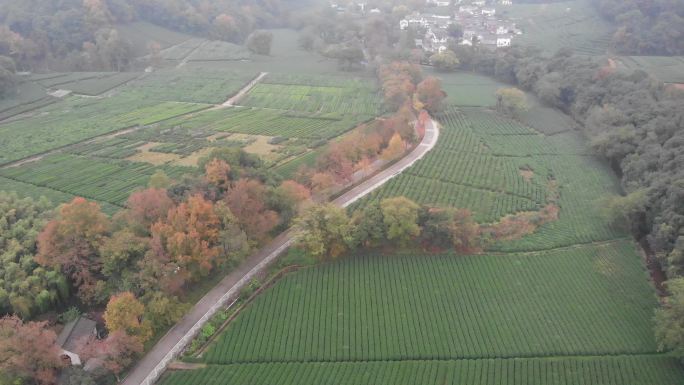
x=156, y=158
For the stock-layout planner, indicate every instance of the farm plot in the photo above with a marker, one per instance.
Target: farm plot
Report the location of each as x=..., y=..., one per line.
x=98, y=179
x=76, y=120
x=55, y=197
x=268, y=122
x=592, y=300
x=583, y=182
x=567, y=24
x=621, y=370
x=311, y=95
x=466, y=169
x=181, y=51
x=666, y=69
x=86, y=83
x=467, y=89
x=29, y=96
x=141, y=34
x=219, y=51
x=196, y=85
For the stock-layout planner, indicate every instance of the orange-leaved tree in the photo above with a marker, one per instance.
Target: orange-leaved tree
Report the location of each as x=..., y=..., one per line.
x=124, y=313
x=189, y=237
x=71, y=243
x=247, y=201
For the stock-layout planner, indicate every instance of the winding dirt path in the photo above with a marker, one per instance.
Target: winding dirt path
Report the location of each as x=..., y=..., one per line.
x=155, y=362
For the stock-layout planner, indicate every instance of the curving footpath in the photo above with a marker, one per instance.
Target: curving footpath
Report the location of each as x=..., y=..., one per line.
x=153, y=364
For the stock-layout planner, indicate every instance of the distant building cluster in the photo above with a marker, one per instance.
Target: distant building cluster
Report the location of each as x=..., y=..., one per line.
x=477, y=18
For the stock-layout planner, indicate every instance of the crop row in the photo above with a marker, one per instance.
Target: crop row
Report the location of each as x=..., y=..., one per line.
x=102, y=180
x=623, y=370
x=479, y=171
x=584, y=183
x=182, y=50
x=116, y=148
x=352, y=100
x=486, y=205
x=257, y=121
x=76, y=120
x=217, y=50
x=196, y=85
x=592, y=300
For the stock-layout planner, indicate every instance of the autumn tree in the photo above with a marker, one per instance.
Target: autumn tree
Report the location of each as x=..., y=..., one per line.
x=430, y=94
x=159, y=180
x=322, y=182
x=120, y=254
x=115, y=353
x=233, y=241
x=400, y=216
x=217, y=172
x=445, y=61
x=28, y=351
x=511, y=102
x=247, y=200
x=71, y=243
x=188, y=236
x=289, y=198
x=146, y=207
x=395, y=149
x=163, y=310
x=124, y=313
x=323, y=231
x=260, y=42
x=465, y=232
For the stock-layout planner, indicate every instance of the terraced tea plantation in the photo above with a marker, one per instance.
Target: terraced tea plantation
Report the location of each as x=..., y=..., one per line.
x=315, y=94
x=79, y=119
x=102, y=180
x=665, y=69
x=554, y=25
x=473, y=167
x=593, y=300
x=192, y=83
x=621, y=370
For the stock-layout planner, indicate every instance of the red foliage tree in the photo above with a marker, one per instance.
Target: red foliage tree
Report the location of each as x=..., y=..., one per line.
x=71, y=243
x=28, y=350
x=422, y=123
x=115, y=353
x=247, y=201
x=189, y=236
x=217, y=172
x=430, y=93
x=147, y=207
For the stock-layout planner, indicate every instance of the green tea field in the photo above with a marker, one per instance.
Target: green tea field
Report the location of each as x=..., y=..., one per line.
x=565, y=24
x=620, y=370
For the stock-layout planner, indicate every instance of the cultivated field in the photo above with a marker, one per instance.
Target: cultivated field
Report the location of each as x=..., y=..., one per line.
x=565, y=24
x=168, y=120
x=315, y=94
x=665, y=69
x=76, y=119
x=592, y=300
x=468, y=89
x=620, y=370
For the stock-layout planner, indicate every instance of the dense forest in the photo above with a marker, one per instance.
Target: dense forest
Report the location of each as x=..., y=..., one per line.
x=653, y=27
